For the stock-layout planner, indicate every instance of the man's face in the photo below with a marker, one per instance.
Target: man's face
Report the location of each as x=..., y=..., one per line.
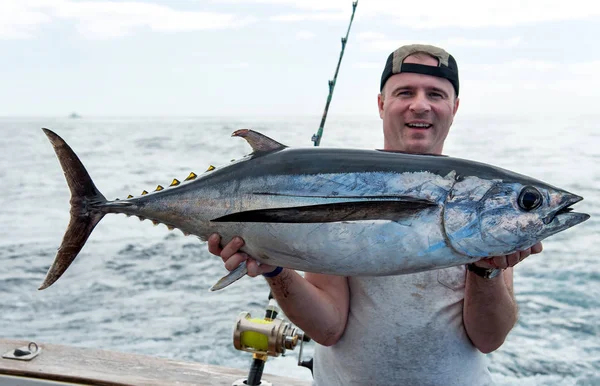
x=417, y=110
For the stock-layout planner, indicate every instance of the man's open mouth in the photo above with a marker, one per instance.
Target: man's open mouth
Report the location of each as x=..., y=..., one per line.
x=419, y=125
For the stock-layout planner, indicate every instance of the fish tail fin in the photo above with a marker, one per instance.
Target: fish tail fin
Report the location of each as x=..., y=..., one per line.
x=86, y=213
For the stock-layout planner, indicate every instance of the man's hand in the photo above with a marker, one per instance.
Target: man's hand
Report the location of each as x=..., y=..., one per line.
x=503, y=262
x=232, y=257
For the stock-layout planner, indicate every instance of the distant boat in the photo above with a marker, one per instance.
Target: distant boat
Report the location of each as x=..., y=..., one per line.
x=74, y=116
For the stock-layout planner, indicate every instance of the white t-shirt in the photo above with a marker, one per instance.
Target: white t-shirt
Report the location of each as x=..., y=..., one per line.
x=404, y=330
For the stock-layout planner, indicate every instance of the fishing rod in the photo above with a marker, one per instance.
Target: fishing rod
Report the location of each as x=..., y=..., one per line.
x=316, y=138
x=272, y=336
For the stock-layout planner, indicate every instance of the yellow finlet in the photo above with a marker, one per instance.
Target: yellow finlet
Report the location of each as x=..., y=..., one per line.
x=144, y=193
x=191, y=176
x=155, y=222
x=175, y=182
x=159, y=188
x=170, y=227
x=130, y=196
x=210, y=168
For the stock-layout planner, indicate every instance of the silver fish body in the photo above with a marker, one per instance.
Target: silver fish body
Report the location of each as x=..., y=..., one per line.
x=339, y=211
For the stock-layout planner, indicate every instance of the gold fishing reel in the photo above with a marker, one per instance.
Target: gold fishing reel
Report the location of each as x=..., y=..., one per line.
x=267, y=336
x=270, y=336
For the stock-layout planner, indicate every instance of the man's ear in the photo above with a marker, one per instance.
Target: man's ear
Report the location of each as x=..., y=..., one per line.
x=380, y=101
x=456, y=103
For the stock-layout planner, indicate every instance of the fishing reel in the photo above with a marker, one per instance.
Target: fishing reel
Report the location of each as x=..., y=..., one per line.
x=267, y=337
x=263, y=336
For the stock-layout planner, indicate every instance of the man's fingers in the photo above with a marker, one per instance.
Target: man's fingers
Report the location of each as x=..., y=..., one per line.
x=486, y=263
x=235, y=260
x=255, y=269
x=525, y=254
x=232, y=257
x=513, y=259
x=214, y=246
x=503, y=262
x=537, y=248
x=232, y=247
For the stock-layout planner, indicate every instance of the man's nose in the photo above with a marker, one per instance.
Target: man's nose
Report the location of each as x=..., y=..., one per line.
x=420, y=104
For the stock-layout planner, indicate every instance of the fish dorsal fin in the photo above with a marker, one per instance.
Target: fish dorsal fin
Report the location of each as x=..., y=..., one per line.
x=260, y=143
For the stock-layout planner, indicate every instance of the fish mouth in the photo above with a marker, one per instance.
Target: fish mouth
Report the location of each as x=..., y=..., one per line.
x=564, y=215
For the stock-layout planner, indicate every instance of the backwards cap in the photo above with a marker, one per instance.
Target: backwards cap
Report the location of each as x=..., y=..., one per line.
x=446, y=67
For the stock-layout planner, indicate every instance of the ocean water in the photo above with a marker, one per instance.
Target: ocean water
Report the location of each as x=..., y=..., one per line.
x=139, y=288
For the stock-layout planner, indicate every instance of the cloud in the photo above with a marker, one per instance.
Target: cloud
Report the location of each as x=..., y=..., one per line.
x=534, y=67
x=368, y=35
x=541, y=83
x=378, y=42
x=107, y=19
x=586, y=68
x=464, y=42
x=367, y=65
x=320, y=16
x=304, y=35
x=385, y=44
x=236, y=65
x=442, y=13
x=18, y=21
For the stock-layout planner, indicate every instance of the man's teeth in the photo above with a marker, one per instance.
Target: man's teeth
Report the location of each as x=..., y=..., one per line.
x=419, y=125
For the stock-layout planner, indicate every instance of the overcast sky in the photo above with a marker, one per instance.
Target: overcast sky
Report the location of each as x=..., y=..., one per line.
x=259, y=57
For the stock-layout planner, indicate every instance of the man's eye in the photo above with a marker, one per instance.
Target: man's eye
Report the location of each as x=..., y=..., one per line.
x=404, y=93
x=436, y=95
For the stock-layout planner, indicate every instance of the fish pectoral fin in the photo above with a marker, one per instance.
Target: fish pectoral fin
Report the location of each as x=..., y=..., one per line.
x=260, y=143
x=231, y=277
x=334, y=212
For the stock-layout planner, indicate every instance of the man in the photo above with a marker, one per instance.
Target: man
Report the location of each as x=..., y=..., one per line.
x=428, y=328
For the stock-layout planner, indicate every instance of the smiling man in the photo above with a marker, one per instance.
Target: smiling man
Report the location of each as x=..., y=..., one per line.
x=418, y=99
x=427, y=328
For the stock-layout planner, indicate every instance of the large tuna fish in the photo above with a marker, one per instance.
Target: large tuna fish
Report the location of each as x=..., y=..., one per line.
x=336, y=211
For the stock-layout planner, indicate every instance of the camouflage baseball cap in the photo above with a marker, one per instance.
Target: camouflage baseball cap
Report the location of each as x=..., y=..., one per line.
x=446, y=67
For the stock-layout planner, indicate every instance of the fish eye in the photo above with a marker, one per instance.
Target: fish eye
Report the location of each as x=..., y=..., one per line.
x=530, y=198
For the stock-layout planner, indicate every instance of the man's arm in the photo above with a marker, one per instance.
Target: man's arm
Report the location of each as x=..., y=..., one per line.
x=490, y=309
x=318, y=304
